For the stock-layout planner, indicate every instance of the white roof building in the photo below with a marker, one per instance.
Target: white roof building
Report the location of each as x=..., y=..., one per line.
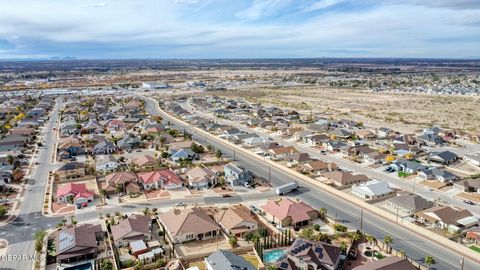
x=372, y=189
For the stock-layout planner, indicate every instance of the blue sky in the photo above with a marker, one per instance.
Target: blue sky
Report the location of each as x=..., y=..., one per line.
x=239, y=28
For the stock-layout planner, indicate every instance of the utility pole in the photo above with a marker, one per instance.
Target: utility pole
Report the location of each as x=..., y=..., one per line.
x=398, y=209
x=361, y=219
x=413, y=190
x=233, y=154
x=269, y=173
x=462, y=261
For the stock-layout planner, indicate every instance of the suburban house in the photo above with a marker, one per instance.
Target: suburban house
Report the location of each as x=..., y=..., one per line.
x=447, y=217
x=444, y=157
x=201, y=177
x=407, y=204
x=165, y=178
x=70, y=147
x=390, y=263
x=283, y=152
x=470, y=185
x=124, y=181
x=145, y=162
x=226, y=260
x=129, y=142
x=473, y=158
x=437, y=174
x=345, y=179
x=236, y=220
x=133, y=228
x=372, y=189
x=315, y=139
x=287, y=212
x=75, y=193
x=106, y=164
x=316, y=167
x=341, y=133
x=365, y=134
x=298, y=158
x=104, y=148
x=407, y=166
x=335, y=145
x=71, y=170
x=77, y=244
x=192, y=224
x=307, y=254
x=116, y=125
x=183, y=154
x=237, y=176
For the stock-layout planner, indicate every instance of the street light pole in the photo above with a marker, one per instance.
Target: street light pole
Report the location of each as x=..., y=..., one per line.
x=361, y=219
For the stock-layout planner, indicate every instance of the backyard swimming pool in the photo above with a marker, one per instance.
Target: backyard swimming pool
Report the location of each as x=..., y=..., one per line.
x=272, y=256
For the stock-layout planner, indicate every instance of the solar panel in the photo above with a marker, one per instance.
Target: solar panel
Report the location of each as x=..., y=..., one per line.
x=65, y=241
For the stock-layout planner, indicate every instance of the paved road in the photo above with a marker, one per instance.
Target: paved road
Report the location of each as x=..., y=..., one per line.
x=415, y=245
x=20, y=232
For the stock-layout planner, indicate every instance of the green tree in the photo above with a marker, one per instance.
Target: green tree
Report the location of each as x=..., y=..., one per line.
x=307, y=233
x=429, y=260
x=218, y=154
x=3, y=210
x=106, y=265
x=387, y=241
x=343, y=246
x=232, y=240
x=323, y=212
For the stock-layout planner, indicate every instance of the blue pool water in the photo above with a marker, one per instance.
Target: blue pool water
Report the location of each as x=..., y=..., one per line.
x=272, y=256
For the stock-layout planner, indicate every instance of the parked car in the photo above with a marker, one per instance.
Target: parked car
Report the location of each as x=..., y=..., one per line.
x=468, y=202
x=180, y=204
x=226, y=195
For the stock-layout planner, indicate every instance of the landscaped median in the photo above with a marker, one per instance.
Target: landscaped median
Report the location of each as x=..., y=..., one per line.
x=462, y=250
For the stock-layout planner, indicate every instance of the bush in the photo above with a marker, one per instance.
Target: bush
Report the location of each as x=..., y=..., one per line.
x=316, y=227
x=340, y=228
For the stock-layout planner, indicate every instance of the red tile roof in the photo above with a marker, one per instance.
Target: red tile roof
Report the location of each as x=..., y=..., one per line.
x=168, y=177
x=284, y=208
x=71, y=188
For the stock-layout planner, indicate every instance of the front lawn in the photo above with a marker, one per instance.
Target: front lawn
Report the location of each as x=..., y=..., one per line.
x=403, y=174
x=475, y=248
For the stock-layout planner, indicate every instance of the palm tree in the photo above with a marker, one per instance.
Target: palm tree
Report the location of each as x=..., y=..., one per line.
x=218, y=154
x=322, y=237
x=10, y=159
x=402, y=253
x=323, y=212
x=429, y=260
x=103, y=192
x=354, y=236
x=388, y=240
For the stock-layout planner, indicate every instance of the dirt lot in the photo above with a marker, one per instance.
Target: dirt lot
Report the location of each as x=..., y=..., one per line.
x=403, y=112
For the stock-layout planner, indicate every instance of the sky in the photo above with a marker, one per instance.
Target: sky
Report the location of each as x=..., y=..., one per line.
x=184, y=29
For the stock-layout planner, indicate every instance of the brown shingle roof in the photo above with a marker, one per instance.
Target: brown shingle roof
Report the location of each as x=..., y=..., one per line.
x=138, y=224
x=193, y=220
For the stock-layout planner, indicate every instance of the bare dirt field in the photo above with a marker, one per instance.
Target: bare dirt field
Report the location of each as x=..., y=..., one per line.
x=401, y=111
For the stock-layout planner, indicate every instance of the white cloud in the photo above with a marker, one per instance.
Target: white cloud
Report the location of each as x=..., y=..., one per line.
x=185, y=2
x=322, y=5
x=94, y=5
x=150, y=28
